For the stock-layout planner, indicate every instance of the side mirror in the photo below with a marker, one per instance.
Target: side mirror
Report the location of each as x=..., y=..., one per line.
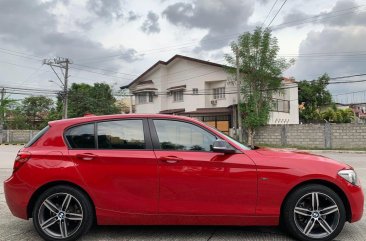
x=222, y=146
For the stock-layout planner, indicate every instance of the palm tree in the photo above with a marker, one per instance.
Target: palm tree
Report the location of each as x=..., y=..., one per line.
x=338, y=115
x=345, y=115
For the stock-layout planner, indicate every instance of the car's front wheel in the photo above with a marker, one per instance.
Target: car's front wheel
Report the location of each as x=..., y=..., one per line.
x=62, y=213
x=314, y=213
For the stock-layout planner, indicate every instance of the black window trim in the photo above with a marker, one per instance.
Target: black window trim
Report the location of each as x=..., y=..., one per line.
x=147, y=137
x=155, y=138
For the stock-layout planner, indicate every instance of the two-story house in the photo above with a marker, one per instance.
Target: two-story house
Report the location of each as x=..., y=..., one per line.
x=203, y=90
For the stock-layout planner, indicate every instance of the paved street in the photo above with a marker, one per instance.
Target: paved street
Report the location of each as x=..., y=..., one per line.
x=12, y=228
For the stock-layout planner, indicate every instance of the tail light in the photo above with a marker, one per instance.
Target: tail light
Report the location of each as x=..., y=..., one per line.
x=21, y=158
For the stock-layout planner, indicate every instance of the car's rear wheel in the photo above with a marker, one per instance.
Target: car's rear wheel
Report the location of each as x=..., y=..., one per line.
x=314, y=213
x=62, y=213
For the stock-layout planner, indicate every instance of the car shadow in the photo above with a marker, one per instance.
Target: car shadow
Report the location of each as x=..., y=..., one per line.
x=185, y=233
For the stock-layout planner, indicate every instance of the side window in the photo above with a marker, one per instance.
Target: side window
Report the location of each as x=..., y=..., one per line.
x=177, y=135
x=81, y=137
x=121, y=134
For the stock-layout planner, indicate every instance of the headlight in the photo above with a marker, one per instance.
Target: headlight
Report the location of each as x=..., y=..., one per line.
x=349, y=175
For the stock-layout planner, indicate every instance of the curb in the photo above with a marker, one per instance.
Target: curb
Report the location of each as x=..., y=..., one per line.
x=336, y=151
x=12, y=144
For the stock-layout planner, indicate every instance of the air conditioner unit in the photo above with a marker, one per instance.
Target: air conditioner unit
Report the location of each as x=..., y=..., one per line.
x=213, y=102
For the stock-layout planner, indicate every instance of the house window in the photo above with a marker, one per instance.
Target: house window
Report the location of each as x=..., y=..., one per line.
x=144, y=98
x=219, y=93
x=178, y=96
x=280, y=105
x=195, y=91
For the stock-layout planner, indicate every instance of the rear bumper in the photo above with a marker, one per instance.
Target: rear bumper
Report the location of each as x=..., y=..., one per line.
x=17, y=195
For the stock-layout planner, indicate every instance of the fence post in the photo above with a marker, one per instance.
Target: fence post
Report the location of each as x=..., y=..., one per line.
x=7, y=136
x=284, y=135
x=328, y=135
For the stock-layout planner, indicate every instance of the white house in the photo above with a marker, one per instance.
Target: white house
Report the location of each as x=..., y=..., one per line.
x=204, y=90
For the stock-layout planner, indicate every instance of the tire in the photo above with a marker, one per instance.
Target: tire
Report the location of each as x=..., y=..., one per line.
x=62, y=206
x=314, y=213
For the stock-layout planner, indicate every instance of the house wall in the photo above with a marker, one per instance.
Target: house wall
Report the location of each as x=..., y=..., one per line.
x=205, y=78
x=291, y=94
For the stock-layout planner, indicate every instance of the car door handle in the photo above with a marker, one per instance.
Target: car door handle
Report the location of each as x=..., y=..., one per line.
x=86, y=156
x=170, y=159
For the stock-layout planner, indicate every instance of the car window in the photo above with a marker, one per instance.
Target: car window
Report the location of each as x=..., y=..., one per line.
x=81, y=137
x=177, y=135
x=36, y=137
x=121, y=134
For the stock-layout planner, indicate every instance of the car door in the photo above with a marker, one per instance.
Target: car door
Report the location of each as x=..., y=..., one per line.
x=116, y=160
x=193, y=179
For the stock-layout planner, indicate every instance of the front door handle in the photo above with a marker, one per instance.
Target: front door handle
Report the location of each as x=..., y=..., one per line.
x=86, y=156
x=170, y=159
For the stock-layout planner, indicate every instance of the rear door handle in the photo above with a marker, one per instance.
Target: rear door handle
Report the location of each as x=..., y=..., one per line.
x=86, y=156
x=170, y=159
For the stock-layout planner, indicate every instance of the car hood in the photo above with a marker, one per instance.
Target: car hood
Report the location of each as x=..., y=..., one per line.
x=293, y=155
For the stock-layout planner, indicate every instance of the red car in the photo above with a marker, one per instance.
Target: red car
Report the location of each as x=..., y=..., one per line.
x=171, y=170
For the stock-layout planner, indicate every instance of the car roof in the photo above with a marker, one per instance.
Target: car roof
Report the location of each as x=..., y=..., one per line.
x=91, y=118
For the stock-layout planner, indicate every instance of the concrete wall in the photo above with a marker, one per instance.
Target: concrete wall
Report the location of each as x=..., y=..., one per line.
x=343, y=136
x=16, y=136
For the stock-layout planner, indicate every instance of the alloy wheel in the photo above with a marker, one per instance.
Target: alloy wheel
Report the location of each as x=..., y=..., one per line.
x=316, y=215
x=60, y=215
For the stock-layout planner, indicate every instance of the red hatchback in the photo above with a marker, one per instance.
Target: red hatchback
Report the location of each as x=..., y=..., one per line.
x=170, y=170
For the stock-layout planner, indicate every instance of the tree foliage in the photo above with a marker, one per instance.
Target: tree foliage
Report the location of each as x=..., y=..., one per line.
x=335, y=115
x=6, y=104
x=35, y=110
x=313, y=95
x=95, y=99
x=260, y=76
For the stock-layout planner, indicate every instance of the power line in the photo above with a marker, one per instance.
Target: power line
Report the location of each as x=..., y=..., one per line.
x=279, y=10
x=347, y=76
x=318, y=17
x=89, y=67
x=269, y=12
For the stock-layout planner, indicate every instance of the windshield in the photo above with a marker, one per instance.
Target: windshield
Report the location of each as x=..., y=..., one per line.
x=244, y=147
x=236, y=142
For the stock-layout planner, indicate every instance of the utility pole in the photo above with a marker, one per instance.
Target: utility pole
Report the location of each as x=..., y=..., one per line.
x=63, y=65
x=3, y=109
x=239, y=122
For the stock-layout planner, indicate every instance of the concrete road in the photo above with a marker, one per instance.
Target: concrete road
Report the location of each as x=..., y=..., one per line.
x=12, y=228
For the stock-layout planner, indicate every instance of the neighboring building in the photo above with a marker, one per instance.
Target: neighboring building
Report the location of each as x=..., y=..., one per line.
x=358, y=109
x=360, y=112
x=203, y=90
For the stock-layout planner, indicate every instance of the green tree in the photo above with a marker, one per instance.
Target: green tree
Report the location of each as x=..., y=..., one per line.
x=95, y=99
x=260, y=76
x=6, y=105
x=313, y=95
x=36, y=110
x=16, y=120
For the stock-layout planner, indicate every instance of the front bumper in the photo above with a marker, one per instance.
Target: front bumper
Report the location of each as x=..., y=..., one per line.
x=356, y=201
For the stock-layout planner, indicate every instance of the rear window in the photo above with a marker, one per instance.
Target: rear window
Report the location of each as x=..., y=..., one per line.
x=37, y=136
x=81, y=137
x=121, y=134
